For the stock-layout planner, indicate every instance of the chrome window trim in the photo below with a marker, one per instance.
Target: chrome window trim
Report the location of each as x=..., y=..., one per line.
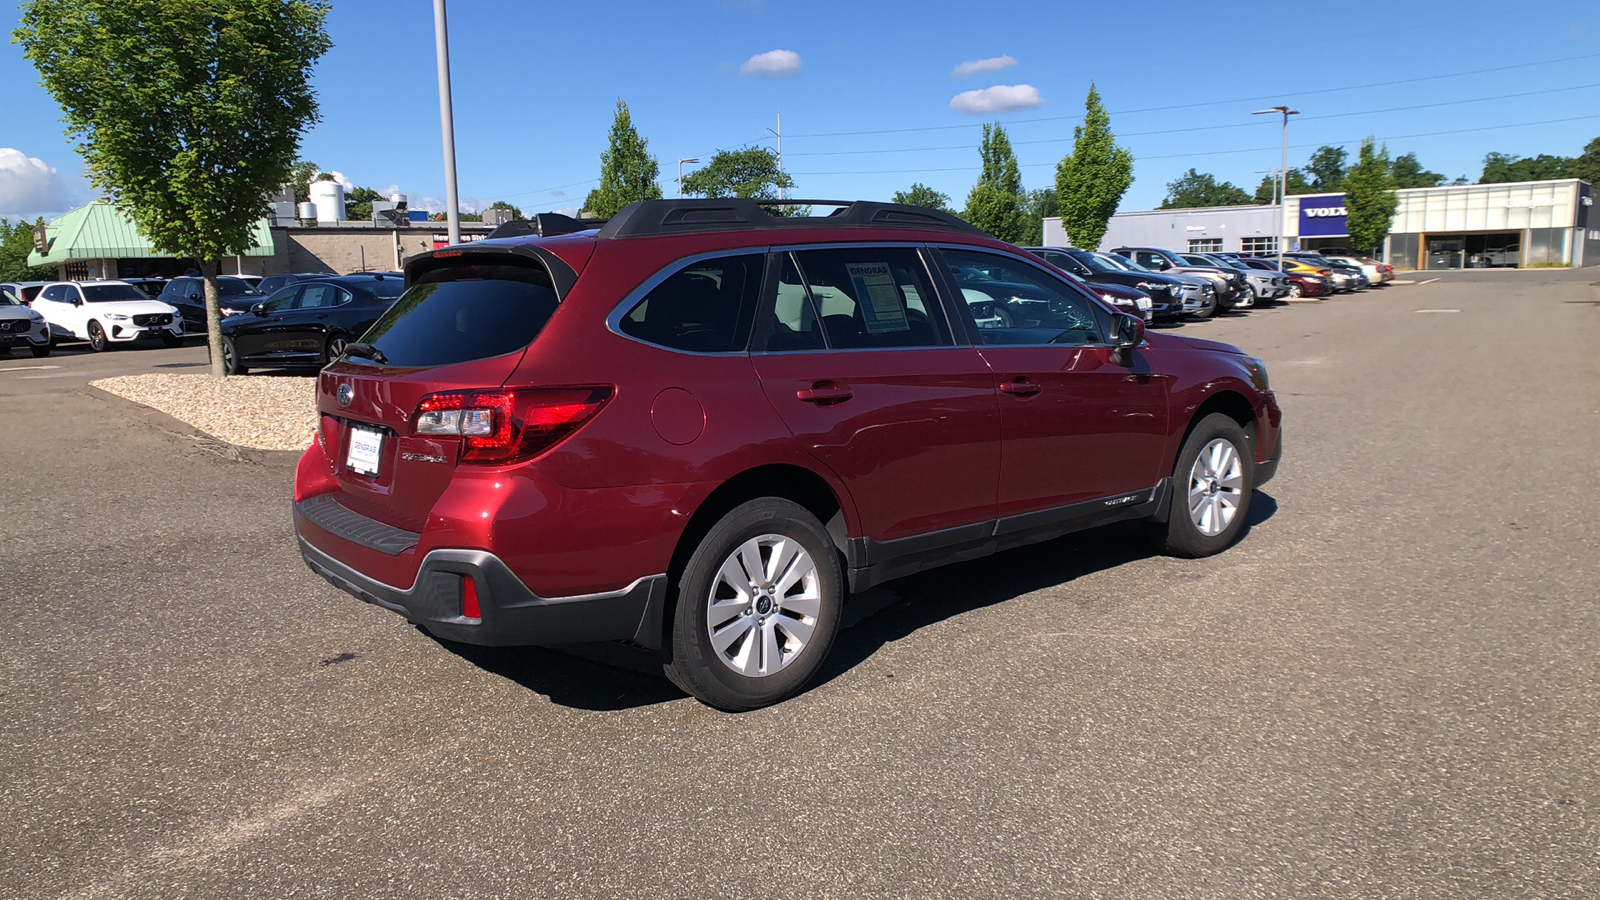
x=629, y=301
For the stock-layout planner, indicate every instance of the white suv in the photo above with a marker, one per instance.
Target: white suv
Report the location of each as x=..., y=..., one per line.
x=106, y=312
x=21, y=326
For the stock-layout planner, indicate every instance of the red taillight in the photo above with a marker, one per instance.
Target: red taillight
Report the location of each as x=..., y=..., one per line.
x=506, y=426
x=469, y=598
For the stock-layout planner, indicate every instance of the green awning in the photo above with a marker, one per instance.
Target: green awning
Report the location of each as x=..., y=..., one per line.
x=101, y=231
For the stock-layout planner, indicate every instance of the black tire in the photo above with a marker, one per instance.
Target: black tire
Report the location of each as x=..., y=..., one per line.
x=98, y=342
x=168, y=339
x=694, y=663
x=333, y=348
x=1179, y=535
x=1296, y=291
x=230, y=358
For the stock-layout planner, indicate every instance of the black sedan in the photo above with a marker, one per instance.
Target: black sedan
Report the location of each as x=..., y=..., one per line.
x=234, y=296
x=308, y=323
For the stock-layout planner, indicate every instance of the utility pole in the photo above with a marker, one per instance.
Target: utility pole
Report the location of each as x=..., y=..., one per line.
x=441, y=42
x=1283, y=199
x=687, y=159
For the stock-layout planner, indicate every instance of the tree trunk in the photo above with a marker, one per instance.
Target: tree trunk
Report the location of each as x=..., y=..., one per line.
x=209, y=269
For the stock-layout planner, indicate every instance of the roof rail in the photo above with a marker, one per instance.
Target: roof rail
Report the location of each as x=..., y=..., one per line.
x=661, y=217
x=544, y=225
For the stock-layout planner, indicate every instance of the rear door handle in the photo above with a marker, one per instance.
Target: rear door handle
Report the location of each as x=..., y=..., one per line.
x=1020, y=388
x=824, y=393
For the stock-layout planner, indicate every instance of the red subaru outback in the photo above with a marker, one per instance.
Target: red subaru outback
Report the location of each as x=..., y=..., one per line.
x=699, y=428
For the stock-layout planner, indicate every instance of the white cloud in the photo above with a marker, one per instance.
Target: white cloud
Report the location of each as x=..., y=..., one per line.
x=344, y=182
x=569, y=211
x=1002, y=98
x=558, y=193
x=772, y=64
x=992, y=64
x=29, y=188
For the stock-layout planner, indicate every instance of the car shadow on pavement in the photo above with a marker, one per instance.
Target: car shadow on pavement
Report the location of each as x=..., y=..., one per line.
x=610, y=677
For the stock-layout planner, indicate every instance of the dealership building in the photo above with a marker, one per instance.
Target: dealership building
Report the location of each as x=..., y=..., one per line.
x=1451, y=227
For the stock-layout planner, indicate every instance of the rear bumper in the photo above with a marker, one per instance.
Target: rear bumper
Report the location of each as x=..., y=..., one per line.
x=511, y=614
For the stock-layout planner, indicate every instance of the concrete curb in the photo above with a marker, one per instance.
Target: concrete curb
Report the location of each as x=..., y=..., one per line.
x=178, y=428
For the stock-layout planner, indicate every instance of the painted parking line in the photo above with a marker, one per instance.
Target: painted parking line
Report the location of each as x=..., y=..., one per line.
x=1438, y=310
x=1429, y=281
x=26, y=368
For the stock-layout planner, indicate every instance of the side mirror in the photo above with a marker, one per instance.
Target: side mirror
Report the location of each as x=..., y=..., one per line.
x=1127, y=332
x=77, y=301
x=194, y=295
x=259, y=309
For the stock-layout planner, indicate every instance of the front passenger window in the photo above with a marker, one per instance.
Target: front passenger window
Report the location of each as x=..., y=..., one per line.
x=1020, y=304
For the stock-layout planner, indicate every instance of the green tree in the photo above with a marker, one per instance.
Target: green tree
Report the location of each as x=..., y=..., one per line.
x=1408, y=173
x=515, y=212
x=1266, y=191
x=301, y=175
x=995, y=202
x=358, y=204
x=16, y=242
x=1502, y=168
x=1326, y=170
x=187, y=114
x=920, y=194
x=1091, y=181
x=1369, y=197
x=1038, y=205
x=1195, y=189
x=1586, y=165
x=627, y=169
x=751, y=173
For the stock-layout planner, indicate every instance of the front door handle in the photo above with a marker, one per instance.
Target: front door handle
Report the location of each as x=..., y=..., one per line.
x=1020, y=388
x=824, y=393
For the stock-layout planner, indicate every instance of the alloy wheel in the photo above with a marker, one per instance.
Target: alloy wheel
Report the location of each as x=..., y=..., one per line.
x=1216, y=487
x=336, y=348
x=763, y=605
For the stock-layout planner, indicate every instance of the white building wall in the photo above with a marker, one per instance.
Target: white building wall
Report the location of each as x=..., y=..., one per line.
x=1172, y=229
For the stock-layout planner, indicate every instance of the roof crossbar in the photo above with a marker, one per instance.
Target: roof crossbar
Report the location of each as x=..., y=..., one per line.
x=662, y=217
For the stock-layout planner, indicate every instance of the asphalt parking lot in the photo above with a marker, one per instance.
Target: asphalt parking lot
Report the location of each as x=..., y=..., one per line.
x=1388, y=689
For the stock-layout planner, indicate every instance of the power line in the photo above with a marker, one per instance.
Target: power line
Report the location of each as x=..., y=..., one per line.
x=1279, y=96
x=1393, y=137
x=1342, y=115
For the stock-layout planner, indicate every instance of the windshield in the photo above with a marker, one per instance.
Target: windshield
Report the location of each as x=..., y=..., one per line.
x=111, y=293
x=1094, y=262
x=233, y=287
x=7, y=300
x=1313, y=261
x=1121, y=262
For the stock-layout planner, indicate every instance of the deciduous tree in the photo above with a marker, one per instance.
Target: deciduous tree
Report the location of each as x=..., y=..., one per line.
x=920, y=194
x=1408, y=173
x=1266, y=192
x=995, y=203
x=16, y=242
x=1326, y=170
x=188, y=115
x=752, y=173
x=1038, y=205
x=1091, y=181
x=1369, y=197
x=628, y=171
x=1501, y=168
x=1586, y=165
x=1195, y=189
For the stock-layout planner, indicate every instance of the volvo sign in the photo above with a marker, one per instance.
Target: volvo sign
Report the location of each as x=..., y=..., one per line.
x=1323, y=216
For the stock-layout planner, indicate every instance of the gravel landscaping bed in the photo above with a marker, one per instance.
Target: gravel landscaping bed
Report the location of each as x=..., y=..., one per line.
x=277, y=413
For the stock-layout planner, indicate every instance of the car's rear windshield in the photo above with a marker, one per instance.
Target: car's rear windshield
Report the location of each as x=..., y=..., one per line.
x=233, y=287
x=465, y=311
x=108, y=293
x=387, y=288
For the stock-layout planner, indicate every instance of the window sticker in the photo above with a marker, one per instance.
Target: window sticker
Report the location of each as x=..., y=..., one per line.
x=879, y=297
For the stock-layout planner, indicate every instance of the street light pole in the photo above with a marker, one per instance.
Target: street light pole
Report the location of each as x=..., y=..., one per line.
x=689, y=159
x=1283, y=192
x=447, y=122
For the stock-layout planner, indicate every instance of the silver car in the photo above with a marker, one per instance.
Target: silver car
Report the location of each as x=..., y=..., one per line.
x=22, y=327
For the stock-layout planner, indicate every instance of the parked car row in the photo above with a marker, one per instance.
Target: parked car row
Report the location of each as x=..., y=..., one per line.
x=306, y=321
x=1170, y=285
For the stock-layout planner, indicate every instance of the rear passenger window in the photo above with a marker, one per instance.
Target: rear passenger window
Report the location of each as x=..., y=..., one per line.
x=704, y=307
x=870, y=297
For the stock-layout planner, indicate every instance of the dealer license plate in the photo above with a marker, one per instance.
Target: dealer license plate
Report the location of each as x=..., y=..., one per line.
x=366, y=448
x=7, y=340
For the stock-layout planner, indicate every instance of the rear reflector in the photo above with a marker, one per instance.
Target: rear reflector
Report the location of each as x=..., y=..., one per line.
x=469, y=598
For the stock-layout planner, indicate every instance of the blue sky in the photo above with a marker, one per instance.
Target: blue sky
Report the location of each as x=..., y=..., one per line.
x=869, y=109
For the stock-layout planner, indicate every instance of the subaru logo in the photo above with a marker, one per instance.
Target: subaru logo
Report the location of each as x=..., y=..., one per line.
x=346, y=394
